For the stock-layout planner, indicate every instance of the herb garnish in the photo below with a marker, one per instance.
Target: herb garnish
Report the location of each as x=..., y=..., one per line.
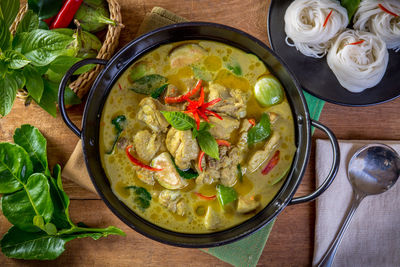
x=261, y=131
x=142, y=198
x=119, y=124
x=187, y=174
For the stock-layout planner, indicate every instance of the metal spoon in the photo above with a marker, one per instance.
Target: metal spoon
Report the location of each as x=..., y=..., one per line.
x=372, y=170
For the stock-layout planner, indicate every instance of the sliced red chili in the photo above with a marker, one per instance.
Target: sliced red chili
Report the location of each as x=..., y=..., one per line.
x=66, y=14
x=252, y=121
x=200, y=159
x=212, y=102
x=205, y=197
x=213, y=113
x=356, y=43
x=271, y=164
x=387, y=10
x=137, y=162
x=327, y=18
x=120, y=87
x=185, y=97
x=223, y=143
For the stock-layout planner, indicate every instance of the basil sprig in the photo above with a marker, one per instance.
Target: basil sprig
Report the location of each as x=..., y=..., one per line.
x=34, y=201
x=143, y=197
x=183, y=122
x=261, y=131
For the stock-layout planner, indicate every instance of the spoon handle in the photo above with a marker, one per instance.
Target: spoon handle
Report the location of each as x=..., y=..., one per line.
x=327, y=260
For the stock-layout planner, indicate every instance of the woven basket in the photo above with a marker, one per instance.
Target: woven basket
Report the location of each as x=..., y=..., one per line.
x=84, y=81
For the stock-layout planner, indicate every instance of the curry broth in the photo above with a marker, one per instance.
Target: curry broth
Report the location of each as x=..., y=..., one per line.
x=121, y=171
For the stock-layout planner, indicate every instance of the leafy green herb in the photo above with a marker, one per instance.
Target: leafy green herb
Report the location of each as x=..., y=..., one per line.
x=261, y=131
x=351, y=6
x=29, y=22
x=8, y=11
x=148, y=84
x=235, y=68
x=34, y=83
x=156, y=93
x=187, y=174
x=179, y=120
x=208, y=144
x=142, y=198
x=5, y=35
x=140, y=69
x=119, y=125
x=15, y=59
x=202, y=74
x=226, y=194
x=8, y=91
x=45, y=8
x=35, y=202
x=240, y=174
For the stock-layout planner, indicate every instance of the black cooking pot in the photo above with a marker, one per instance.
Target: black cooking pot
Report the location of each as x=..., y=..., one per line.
x=195, y=31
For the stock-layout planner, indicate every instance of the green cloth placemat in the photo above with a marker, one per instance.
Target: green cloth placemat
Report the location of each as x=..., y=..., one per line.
x=246, y=251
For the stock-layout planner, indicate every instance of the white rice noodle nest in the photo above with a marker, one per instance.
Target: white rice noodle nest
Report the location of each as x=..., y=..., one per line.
x=358, y=66
x=370, y=17
x=304, y=25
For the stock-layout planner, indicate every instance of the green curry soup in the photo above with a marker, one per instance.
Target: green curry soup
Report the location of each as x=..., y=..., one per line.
x=197, y=136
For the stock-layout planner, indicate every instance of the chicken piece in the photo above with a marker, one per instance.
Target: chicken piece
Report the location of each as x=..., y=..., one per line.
x=261, y=155
x=146, y=145
x=182, y=146
x=211, y=220
x=246, y=204
x=173, y=201
x=149, y=113
x=223, y=128
x=144, y=175
x=242, y=141
x=168, y=177
x=186, y=54
x=234, y=101
x=172, y=91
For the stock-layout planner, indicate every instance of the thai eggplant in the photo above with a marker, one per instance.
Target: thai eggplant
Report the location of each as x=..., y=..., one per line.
x=93, y=19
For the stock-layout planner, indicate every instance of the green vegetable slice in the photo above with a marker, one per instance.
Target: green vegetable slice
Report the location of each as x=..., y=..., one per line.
x=142, y=198
x=268, y=91
x=179, y=120
x=261, y=131
x=226, y=194
x=187, y=174
x=119, y=125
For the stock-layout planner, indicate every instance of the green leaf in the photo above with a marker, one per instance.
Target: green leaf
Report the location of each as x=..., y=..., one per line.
x=226, y=194
x=43, y=46
x=142, y=198
x=204, y=126
x=148, y=84
x=235, y=68
x=34, y=199
x=5, y=35
x=156, y=93
x=29, y=22
x=15, y=59
x=119, y=125
x=19, y=78
x=9, y=9
x=208, y=144
x=140, y=69
x=63, y=63
x=187, y=174
x=351, y=6
x=15, y=167
x=70, y=98
x=261, y=131
x=240, y=174
x=45, y=8
x=202, y=74
x=49, y=98
x=30, y=139
x=8, y=91
x=34, y=83
x=179, y=120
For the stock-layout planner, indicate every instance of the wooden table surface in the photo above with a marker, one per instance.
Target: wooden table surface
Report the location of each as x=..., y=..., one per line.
x=291, y=240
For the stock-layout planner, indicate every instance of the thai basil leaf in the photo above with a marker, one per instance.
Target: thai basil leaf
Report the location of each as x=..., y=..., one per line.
x=261, y=131
x=142, y=198
x=204, y=126
x=34, y=83
x=15, y=167
x=179, y=120
x=34, y=199
x=45, y=8
x=119, y=124
x=187, y=174
x=8, y=91
x=19, y=78
x=9, y=9
x=63, y=63
x=235, y=68
x=351, y=6
x=33, y=142
x=156, y=93
x=42, y=46
x=49, y=98
x=15, y=59
x=208, y=144
x=5, y=35
x=226, y=194
x=29, y=22
x=148, y=84
x=70, y=98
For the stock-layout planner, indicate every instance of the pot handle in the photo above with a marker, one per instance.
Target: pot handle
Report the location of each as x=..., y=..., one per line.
x=332, y=172
x=63, y=84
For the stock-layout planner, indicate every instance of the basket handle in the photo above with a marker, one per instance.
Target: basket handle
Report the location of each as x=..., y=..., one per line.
x=64, y=83
x=332, y=173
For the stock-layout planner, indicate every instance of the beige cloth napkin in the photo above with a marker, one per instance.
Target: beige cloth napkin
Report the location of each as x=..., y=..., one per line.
x=373, y=237
x=75, y=169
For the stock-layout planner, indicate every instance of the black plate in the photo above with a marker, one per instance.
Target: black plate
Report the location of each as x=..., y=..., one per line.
x=315, y=75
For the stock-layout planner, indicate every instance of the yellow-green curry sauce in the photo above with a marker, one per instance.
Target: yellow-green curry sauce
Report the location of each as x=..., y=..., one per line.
x=120, y=170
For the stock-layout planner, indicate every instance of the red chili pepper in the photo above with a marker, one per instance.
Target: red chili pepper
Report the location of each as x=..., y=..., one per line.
x=356, y=43
x=200, y=159
x=66, y=14
x=49, y=20
x=271, y=164
x=120, y=87
x=183, y=98
x=252, y=121
x=205, y=197
x=327, y=18
x=137, y=162
x=223, y=143
x=387, y=10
